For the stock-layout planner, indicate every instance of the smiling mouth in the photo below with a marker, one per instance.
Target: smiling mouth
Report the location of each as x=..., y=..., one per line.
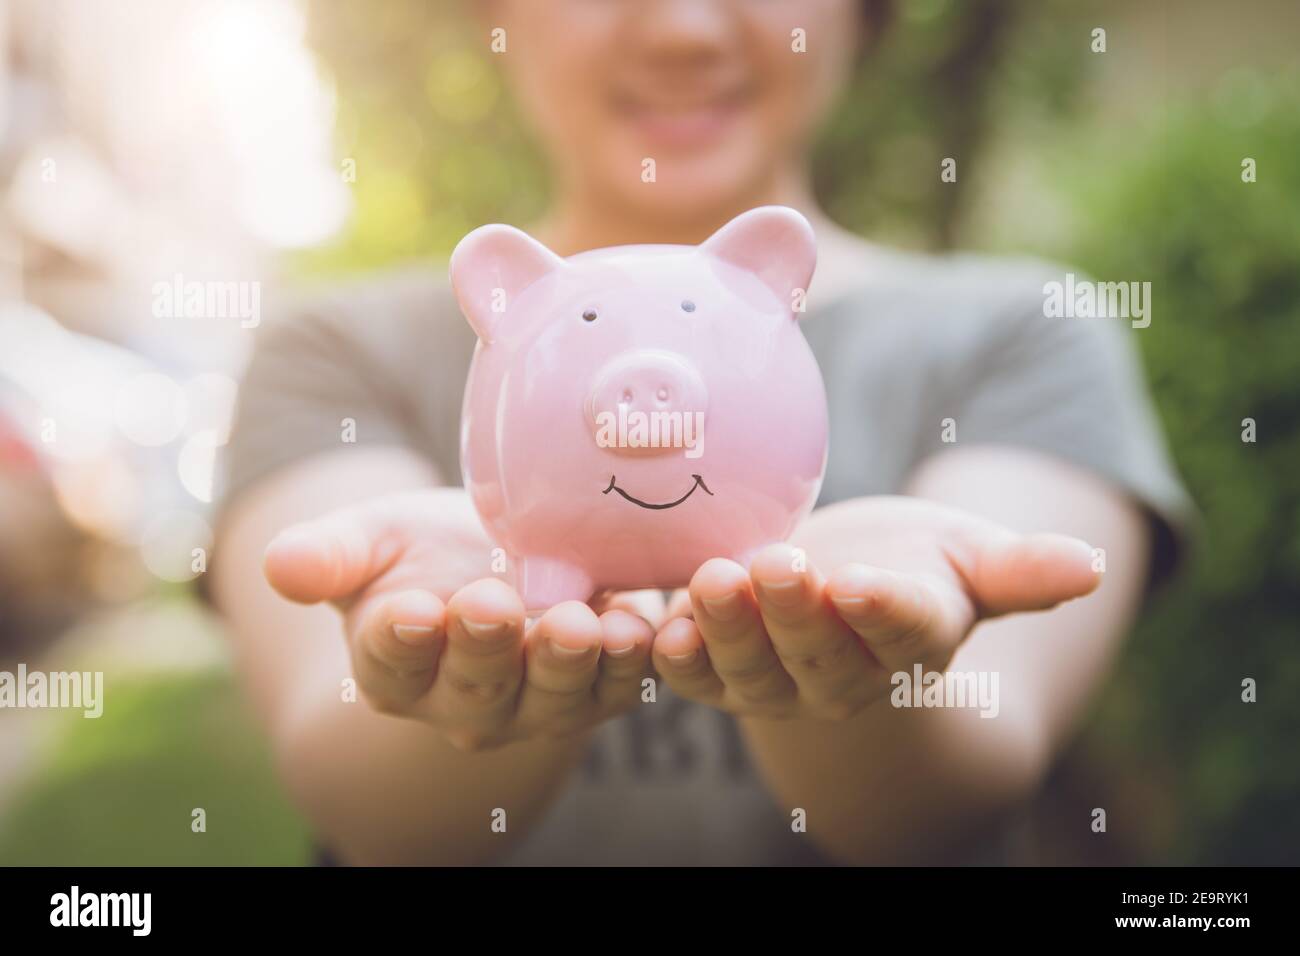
x=684, y=123
x=699, y=483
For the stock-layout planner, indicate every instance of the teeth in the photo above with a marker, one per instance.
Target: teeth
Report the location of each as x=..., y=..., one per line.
x=679, y=110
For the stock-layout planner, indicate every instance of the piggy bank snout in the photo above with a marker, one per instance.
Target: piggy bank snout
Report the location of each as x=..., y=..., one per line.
x=646, y=402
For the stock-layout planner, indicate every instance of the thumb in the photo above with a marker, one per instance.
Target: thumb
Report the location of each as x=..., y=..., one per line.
x=327, y=559
x=1031, y=573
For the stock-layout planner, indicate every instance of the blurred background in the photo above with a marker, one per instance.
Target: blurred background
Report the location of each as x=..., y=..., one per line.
x=294, y=143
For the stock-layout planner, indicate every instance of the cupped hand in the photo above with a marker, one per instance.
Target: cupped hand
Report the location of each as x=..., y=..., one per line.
x=434, y=636
x=909, y=579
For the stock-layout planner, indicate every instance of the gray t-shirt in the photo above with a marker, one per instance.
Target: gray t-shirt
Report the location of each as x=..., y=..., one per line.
x=923, y=340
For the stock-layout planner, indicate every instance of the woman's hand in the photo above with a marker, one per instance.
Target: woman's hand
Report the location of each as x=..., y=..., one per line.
x=910, y=579
x=433, y=636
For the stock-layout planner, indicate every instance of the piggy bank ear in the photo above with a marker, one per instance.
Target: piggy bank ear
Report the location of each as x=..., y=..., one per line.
x=773, y=242
x=490, y=267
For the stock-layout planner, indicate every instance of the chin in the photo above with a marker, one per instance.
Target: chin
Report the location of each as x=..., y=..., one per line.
x=687, y=190
x=690, y=178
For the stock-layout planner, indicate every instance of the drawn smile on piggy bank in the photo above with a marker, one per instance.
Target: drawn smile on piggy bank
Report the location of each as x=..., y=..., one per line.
x=699, y=483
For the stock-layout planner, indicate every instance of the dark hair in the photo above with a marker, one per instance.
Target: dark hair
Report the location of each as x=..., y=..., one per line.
x=876, y=17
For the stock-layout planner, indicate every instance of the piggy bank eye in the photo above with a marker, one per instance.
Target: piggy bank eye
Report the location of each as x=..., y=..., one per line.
x=589, y=315
x=688, y=305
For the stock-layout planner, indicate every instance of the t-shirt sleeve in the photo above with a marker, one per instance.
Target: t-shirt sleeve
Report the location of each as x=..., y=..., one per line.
x=300, y=396
x=1074, y=387
x=353, y=369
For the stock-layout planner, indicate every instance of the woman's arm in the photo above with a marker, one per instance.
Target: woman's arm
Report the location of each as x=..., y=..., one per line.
x=895, y=784
x=890, y=784
x=380, y=788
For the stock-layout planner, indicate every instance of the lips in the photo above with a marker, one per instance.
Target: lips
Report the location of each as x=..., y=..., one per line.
x=699, y=483
x=683, y=123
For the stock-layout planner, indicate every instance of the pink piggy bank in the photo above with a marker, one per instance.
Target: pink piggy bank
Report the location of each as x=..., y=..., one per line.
x=632, y=412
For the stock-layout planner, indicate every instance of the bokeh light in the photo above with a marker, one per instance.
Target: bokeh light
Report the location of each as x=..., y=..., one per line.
x=196, y=464
x=210, y=405
x=150, y=409
x=173, y=543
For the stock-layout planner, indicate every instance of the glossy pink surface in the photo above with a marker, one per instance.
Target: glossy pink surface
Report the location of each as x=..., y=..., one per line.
x=632, y=412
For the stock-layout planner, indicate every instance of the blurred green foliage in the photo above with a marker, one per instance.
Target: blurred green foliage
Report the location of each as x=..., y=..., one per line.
x=1223, y=257
x=437, y=145
x=120, y=789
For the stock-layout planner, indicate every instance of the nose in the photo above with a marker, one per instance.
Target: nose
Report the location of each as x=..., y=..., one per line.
x=648, y=402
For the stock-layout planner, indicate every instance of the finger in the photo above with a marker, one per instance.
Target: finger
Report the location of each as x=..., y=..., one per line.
x=624, y=660
x=902, y=619
x=480, y=671
x=680, y=658
x=562, y=652
x=826, y=659
x=395, y=642
x=329, y=558
x=1030, y=572
x=646, y=604
x=679, y=604
x=735, y=637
